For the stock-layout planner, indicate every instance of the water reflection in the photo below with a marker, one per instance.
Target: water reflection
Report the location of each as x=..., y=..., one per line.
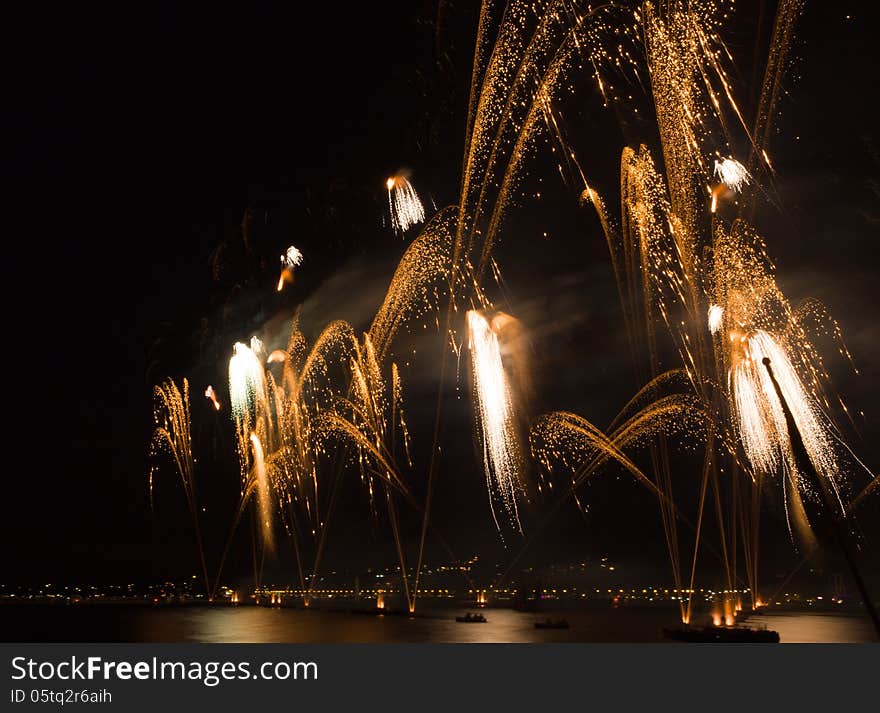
x=264, y=625
x=815, y=628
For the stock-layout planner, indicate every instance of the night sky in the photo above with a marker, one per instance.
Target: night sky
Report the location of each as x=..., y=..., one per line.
x=137, y=137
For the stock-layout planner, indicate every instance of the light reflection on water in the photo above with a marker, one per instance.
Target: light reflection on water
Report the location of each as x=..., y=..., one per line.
x=263, y=625
x=256, y=625
x=817, y=628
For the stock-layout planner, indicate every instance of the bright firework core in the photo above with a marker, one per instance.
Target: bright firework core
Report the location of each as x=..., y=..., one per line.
x=716, y=316
x=732, y=174
x=496, y=422
x=292, y=258
x=246, y=380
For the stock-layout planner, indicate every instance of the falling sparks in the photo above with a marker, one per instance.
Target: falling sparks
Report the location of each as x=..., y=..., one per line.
x=716, y=317
x=766, y=326
x=414, y=288
x=173, y=430
x=372, y=420
x=672, y=270
x=568, y=442
x=173, y=436
x=732, y=174
x=673, y=273
x=212, y=396
x=760, y=416
x=404, y=204
x=246, y=383
x=264, y=497
x=496, y=420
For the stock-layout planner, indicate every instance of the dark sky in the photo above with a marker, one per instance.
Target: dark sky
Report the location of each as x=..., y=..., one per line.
x=137, y=137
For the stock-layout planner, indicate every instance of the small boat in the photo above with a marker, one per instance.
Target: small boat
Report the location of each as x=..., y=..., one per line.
x=470, y=618
x=722, y=635
x=551, y=624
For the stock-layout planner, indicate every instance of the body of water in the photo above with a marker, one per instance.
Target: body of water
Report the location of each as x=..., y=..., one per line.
x=248, y=624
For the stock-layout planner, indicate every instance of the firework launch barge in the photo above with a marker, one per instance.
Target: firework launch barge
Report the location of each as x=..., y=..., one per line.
x=721, y=635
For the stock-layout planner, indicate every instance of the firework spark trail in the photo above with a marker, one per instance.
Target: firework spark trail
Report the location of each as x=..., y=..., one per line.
x=496, y=419
x=524, y=70
x=281, y=414
x=652, y=255
x=487, y=100
x=566, y=441
x=371, y=418
x=761, y=418
x=742, y=279
x=692, y=96
x=757, y=321
x=762, y=428
x=555, y=54
x=172, y=420
x=403, y=203
x=670, y=269
x=493, y=74
x=251, y=396
x=496, y=76
x=264, y=495
x=742, y=292
x=303, y=391
x=787, y=14
x=664, y=262
x=173, y=435
x=413, y=290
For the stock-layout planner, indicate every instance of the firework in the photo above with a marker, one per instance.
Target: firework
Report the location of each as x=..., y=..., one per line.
x=261, y=485
x=732, y=174
x=277, y=443
x=568, y=442
x=496, y=419
x=212, y=397
x=291, y=259
x=247, y=385
x=672, y=272
x=715, y=317
x=516, y=84
x=778, y=61
x=404, y=204
x=414, y=289
x=173, y=435
x=760, y=416
x=764, y=325
x=372, y=420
